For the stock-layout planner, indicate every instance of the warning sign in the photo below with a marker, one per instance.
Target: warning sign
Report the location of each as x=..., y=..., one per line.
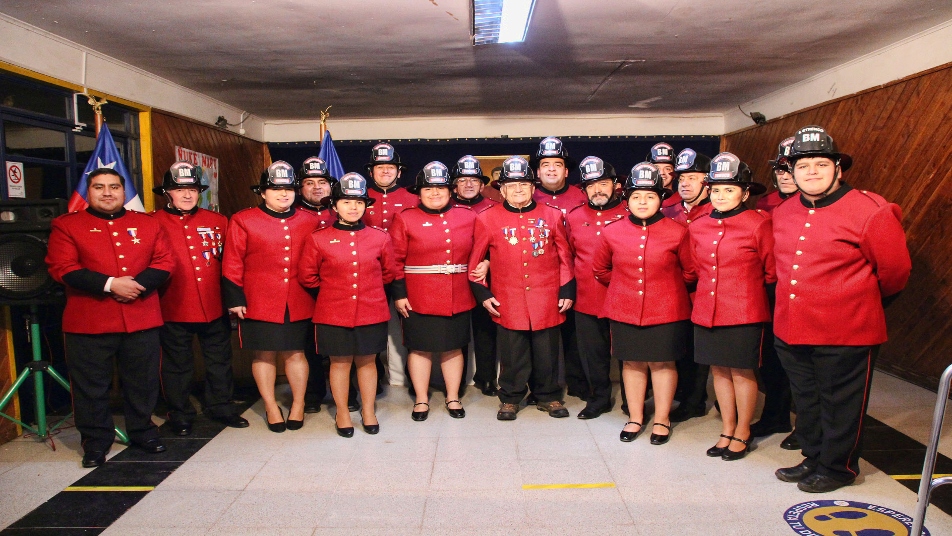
x=15, y=187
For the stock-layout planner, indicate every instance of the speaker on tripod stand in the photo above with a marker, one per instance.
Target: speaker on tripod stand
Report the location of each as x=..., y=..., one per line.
x=25, y=282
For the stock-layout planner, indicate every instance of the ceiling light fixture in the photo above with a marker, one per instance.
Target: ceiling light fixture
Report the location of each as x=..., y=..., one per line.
x=501, y=21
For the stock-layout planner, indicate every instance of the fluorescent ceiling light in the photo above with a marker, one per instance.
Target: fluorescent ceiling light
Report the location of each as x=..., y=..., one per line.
x=501, y=21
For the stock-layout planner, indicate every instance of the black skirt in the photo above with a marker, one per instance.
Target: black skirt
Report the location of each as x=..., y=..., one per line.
x=342, y=341
x=663, y=342
x=729, y=346
x=431, y=333
x=274, y=337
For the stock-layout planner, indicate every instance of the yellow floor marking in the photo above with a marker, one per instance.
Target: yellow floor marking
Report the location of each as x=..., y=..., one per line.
x=916, y=477
x=569, y=486
x=110, y=488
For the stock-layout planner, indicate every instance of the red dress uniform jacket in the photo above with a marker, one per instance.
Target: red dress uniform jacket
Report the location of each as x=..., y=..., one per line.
x=325, y=215
x=349, y=266
x=584, y=225
x=769, y=202
x=423, y=237
x=89, y=248
x=477, y=204
x=647, y=284
x=193, y=292
x=680, y=214
x=388, y=204
x=565, y=199
x=261, y=262
x=734, y=255
x=836, y=261
x=675, y=199
x=529, y=263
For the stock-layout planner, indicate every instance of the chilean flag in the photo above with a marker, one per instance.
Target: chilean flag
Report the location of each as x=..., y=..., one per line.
x=105, y=155
x=329, y=155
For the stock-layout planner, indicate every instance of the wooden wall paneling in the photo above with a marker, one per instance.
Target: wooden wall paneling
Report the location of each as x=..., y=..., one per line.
x=900, y=137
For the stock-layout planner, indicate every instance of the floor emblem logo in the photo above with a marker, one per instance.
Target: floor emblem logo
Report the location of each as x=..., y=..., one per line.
x=847, y=518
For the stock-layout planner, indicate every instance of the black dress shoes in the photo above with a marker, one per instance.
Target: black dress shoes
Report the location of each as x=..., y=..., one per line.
x=455, y=413
x=790, y=442
x=715, y=451
x=764, y=429
x=658, y=439
x=152, y=446
x=312, y=407
x=592, y=412
x=685, y=412
x=420, y=416
x=628, y=437
x=371, y=429
x=731, y=455
x=345, y=432
x=294, y=425
x=232, y=421
x=817, y=483
x=487, y=388
x=797, y=472
x=180, y=429
x=93, y=458
x=277, y=427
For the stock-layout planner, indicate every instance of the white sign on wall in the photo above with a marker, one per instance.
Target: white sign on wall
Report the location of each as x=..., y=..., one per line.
x=209, y=164
x=15, y=180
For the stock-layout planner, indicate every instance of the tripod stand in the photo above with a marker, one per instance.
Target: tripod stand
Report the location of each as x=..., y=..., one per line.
x=36, y=368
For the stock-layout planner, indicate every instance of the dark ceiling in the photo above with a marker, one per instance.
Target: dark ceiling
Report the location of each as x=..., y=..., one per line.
x=288, y=59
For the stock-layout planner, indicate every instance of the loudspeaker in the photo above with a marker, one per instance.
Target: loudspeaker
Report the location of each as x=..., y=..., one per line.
x=24, y=231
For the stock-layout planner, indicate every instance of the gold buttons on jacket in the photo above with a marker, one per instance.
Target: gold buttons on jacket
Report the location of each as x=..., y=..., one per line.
x=124, y=269
x=123, y=257
x=115, y=233
x=792, y=296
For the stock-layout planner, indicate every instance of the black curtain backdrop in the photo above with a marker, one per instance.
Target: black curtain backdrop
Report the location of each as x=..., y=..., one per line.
x=623, y=152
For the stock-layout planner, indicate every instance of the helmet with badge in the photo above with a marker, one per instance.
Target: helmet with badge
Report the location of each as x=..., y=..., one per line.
x=433, y=175
x=383, y=153
x=783, y=154
x=551, y=147
x=350, y=186
x=593, y=168
x=661, y=153
x=645, y=176
x=726, y=168
x=514, y=169
x=181, y=175
x=812, y=141
x=468, y=166
x=316, y=168
x=278, y=176
x=691, y=161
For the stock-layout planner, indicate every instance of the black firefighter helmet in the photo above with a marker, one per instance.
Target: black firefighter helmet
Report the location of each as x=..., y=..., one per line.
x=383, y=153
x=514, y=169
x=434, y=174
x=593, y=168
x=814, y=141
x=316, y=168
x=278, y=176
x=350, y=186
x=181, y=175
x=645, y=176
x=468, y=166
x=691, y=161
x=551, y=147
x=726, y=168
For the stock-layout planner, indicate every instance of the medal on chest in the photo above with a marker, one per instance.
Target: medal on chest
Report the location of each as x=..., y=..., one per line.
x=132, y=232
x=510, y=234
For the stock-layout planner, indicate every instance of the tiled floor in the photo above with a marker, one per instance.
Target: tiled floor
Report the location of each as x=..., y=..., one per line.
x=447, y=476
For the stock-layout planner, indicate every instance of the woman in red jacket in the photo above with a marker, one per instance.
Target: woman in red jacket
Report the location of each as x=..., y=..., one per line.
x=259, y=284
x=646, y=261
x=733, y=250
x=350, y=263
x=432, y=243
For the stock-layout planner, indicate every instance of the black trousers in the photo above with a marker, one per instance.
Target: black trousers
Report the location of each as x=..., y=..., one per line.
x=484, y=346
x=692, y=379
x=830, y=386
x=178, y=368
x=777, y=397
x=317, y=377
x=90, y=359
x=595, y=349
x=528, y=357
x=575, y=381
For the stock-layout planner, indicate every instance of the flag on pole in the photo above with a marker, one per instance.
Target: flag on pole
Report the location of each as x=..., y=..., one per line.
x=105, y=155
x=329, y=155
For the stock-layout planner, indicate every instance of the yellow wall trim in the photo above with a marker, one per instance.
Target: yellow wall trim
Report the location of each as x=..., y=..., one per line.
x=72, y=87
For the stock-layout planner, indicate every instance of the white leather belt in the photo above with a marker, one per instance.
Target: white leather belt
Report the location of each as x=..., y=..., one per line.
x=436, y=269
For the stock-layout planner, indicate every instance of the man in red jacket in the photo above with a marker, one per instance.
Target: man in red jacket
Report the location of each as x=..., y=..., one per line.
x=111, y=260
x=584, y=224
x=389, y=198
x=532, y=287
x=551, y=164
x=662, y=156
x=841, y=255
x=192, y=305
x=315, y=184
